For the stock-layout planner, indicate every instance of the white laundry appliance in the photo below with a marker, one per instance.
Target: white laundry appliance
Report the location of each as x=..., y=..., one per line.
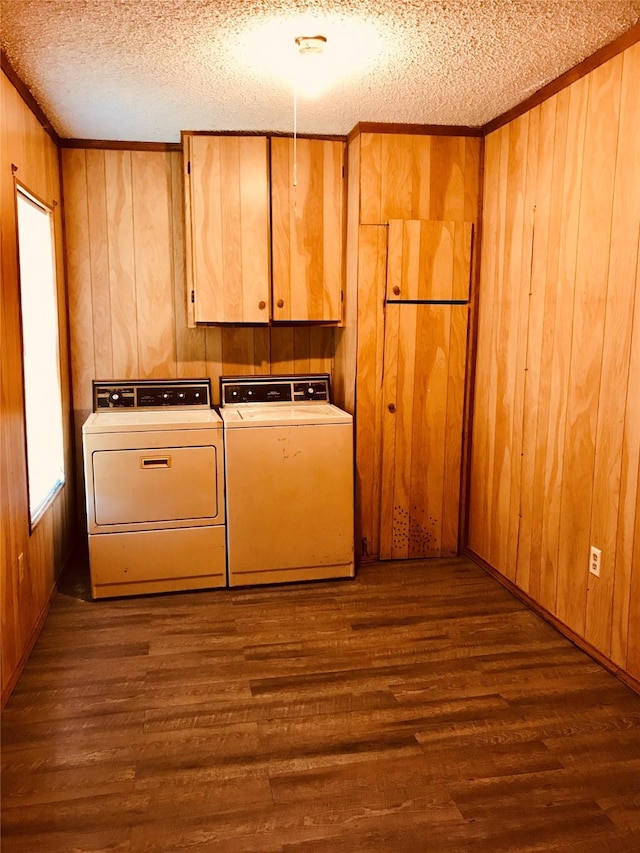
x=154, y=478
x=289, y=480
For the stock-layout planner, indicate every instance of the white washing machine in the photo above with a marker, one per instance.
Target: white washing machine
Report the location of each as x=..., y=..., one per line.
x=154, y=478
x=289, y=480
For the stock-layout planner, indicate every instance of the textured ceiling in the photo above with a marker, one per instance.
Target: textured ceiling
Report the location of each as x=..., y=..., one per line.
x=142, y=70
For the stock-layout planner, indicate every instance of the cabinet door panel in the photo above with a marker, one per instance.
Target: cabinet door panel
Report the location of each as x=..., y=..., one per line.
x=424, y=362
x=308, y=227
x=428, y=259
x=227, y=212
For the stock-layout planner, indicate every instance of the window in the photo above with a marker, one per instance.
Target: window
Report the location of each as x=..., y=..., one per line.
x=40, y=353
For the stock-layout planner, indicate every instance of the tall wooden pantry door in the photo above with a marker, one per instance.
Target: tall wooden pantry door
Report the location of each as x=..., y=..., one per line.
x=425, y=344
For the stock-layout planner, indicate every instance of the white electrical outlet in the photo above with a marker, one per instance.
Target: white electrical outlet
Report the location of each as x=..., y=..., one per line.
x=595, y=556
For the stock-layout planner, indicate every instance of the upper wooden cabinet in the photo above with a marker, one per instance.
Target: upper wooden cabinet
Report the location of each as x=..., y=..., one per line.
x=240, y=269
x=227, y=228
x=405, y=176
x=428, y=260
x=307, y=199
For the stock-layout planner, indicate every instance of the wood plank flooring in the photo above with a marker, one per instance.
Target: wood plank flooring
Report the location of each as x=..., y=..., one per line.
x=419, y=707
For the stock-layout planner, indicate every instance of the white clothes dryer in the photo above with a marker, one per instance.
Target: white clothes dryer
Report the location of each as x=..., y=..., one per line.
x=154, y=478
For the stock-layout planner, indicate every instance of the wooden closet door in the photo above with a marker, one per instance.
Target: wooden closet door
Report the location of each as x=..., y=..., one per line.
x=308, y=229
x=423, y=397
x=227, y=228
x=428, y=259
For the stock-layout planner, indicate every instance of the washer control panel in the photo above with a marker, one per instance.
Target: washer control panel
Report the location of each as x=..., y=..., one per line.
x=151, y=394
x=274, y=389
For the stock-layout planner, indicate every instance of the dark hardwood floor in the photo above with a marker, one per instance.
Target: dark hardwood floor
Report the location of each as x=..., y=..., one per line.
x=419, y=707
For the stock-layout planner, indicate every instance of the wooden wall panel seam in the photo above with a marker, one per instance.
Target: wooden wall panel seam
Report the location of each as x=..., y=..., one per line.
x=565, y=597
x=622, y=652
x=538, y=285
x=472, y=339
x=614, y=372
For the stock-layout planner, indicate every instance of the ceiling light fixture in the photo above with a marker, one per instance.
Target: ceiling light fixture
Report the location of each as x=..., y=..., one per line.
x=311, y=44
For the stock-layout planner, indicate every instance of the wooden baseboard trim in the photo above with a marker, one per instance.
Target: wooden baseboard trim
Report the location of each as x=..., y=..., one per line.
x=539, y=610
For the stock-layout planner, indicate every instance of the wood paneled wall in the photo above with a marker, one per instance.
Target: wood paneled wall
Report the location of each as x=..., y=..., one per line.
x=390, y=177
x=25, y=595
x=127, y=299
x=556, y=428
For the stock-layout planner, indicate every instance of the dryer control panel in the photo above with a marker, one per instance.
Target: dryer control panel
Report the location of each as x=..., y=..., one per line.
x=297, y=388
x=151, y=394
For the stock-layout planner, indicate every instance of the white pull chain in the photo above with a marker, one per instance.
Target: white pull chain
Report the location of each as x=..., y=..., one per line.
x=295, y=147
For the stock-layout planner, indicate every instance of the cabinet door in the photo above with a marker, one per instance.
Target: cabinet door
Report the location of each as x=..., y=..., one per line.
x=423, y=394
x=227, y=228
x=428, y=260
x=307, y=199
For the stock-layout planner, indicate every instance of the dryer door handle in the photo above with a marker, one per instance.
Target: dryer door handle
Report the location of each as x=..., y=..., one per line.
x=152, y=462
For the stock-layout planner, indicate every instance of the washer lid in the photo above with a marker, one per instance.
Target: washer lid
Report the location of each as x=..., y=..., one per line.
x=119, y=420
x=278, y=414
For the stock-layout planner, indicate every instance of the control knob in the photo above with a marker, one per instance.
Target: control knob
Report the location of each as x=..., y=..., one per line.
x=115, y=397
